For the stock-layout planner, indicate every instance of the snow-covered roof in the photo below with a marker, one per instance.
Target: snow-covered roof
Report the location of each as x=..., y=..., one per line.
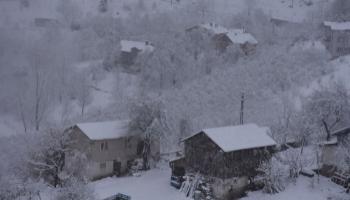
x=128, y=45
x=238, y=36
x=341, y=26
x=233, y=138
x=215, y=28
x=342, y=131
x=332, y=141
x=105, y=130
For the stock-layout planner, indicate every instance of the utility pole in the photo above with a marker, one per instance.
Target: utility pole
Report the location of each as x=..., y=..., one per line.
x=241, y=121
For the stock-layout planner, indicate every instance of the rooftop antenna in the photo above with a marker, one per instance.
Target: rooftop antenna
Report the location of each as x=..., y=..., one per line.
x=242, y=109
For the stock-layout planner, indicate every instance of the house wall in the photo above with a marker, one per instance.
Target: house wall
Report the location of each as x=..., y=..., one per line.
x=334, y=154
x=228, y=188
x=221, y=42
x=248, y=48
x=204, y=156
x=128, y=58
x=337, y=42
x=121, y=150
x=328, y=156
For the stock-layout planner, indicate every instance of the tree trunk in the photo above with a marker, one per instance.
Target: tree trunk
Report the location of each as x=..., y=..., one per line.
x=326, y=129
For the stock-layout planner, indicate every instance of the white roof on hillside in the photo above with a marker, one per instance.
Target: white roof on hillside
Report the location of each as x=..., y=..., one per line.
x=128, y=45
x=338, y=25
x=233, y=138
x=238, y=36
x=105, y=130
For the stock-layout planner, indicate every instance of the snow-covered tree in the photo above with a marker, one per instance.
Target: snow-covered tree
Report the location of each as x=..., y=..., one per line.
x=75, y=190
x=274, y=176
x=325, y=110
x=148, y=119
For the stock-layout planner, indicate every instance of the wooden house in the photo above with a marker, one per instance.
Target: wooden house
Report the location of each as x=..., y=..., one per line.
x=337, y=38
x=222, y=37
x=229, y=155
x=109, y=147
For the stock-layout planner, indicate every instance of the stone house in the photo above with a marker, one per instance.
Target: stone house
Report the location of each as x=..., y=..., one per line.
x=228, y=155
x=109, y=147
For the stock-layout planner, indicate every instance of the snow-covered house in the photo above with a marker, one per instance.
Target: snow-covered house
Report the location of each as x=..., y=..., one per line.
x=229, y=155
x=223, y=37
x=336, y=150
x=130, y=50
x=337, y=38
x=109, y=146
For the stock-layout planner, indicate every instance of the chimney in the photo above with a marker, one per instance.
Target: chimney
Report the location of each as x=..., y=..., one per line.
x=242, y=110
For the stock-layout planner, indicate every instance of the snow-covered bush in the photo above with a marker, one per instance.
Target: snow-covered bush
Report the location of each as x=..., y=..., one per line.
x=274, y=176
x=75, y=189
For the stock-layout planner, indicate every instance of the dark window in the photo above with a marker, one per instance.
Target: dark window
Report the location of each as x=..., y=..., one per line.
x=103, y=165
x=140, y=148
x=104, y=146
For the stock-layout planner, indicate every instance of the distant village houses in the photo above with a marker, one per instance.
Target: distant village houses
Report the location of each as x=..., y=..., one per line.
x=222, y=37
x=131, y=49
x=109, y=147
x=337, y=38
x=229, y=155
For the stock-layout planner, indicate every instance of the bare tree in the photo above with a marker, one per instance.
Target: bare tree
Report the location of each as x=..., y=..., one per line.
x=327, y=109
x=148, y=119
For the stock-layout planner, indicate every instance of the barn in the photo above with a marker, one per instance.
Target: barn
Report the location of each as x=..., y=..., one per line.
x=229, y=155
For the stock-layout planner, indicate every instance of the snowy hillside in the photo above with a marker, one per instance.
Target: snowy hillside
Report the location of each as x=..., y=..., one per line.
x=174, y=99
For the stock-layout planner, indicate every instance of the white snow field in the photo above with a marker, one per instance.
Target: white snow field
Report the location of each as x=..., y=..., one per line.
x=151, y=185
x=303, y=190
x=154, y=185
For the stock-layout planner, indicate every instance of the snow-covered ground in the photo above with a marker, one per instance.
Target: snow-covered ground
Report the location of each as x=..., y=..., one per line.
x=151, y=185
x=154, y=185
x=9, y=126
x=303, y=190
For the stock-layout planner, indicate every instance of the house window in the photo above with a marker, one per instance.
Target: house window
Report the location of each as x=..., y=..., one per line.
x=104, y=146
x=103, y=165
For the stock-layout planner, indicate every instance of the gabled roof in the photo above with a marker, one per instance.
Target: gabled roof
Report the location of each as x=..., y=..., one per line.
x=340, y=26
x=234, y=138
x=105, y=130
x=128, y=45
x=238, y=36
x=342, y=131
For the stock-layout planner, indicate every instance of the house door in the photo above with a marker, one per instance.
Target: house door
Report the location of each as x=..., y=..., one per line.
x=117, y=166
